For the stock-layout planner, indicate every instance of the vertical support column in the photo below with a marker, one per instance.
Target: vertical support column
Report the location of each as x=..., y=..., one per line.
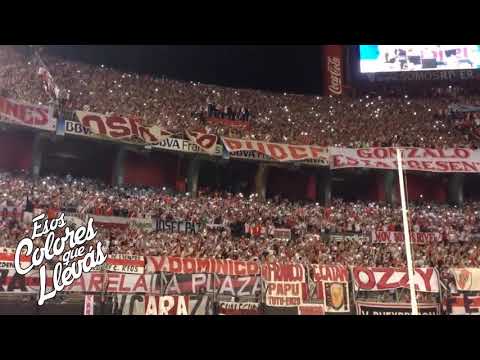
x=119, y=166
x=37, y=155
x=192, y=176
x=261, y=181
x=325, y=187
x=389, y=181
x=455, y=189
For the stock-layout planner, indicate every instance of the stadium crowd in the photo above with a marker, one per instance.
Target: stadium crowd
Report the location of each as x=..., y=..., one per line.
x=388, y=117
x=234, y=215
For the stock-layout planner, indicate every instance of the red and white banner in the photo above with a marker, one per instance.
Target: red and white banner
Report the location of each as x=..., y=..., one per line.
x=237, y=124
x=283, y=293
x=278, y=152
x=18, y=113
x=178, y=265
x=467, y=279
x=112, y=283
x=311, y=309
x=7, y=259
x=459, y=160
x=463, y=305
x=394, y=237
x=322, y=273
x=88, y=307
x=333, y=69
x=121, y=128
x=166, y=305
x=127, y=264
x=379, y=279
x=207, y=142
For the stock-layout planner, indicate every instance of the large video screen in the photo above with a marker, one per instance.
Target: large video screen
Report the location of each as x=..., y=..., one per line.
x=400, y=58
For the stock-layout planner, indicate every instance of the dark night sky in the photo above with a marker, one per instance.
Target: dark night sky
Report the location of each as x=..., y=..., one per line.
x=278, y=68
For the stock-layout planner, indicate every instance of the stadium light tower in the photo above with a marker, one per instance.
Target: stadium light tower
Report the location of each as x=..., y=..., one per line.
x=406, y=231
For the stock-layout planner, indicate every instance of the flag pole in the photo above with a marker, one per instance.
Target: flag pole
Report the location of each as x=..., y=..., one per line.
x=406, y=231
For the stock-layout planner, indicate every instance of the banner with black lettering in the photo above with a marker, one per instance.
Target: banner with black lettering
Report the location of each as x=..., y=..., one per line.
x=201, y=305
x=239, y=308
x=384, y=309
x=128, y=264
x=179, y=227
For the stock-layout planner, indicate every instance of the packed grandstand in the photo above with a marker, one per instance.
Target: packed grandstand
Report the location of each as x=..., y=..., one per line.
x=214, y=249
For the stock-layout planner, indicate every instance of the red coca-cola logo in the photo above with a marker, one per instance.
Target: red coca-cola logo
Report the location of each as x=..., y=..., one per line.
x=334, y=68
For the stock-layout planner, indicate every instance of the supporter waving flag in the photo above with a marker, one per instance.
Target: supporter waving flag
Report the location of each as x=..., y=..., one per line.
x=49, y=85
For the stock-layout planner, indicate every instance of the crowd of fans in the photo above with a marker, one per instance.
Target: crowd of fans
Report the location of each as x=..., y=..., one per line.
x=232, y=215
x=387, y=117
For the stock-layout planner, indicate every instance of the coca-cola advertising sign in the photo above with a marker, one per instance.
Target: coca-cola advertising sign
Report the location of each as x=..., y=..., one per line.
x=333, y=70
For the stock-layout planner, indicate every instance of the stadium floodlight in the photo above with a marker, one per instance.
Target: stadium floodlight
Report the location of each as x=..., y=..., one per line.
x=406, y=231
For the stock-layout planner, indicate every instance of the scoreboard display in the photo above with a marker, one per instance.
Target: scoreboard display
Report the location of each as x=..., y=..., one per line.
x=394, y=58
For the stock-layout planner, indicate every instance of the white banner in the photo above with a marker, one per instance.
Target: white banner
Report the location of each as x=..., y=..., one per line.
x=283, y=293
x=121, y=128
x=432, y=160
x=19, y=113
x=467, y=279
x=380, y=279
x=278, y=152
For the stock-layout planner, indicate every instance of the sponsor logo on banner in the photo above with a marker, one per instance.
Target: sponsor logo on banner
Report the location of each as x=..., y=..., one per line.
x=384, y=309
x=178, y=265
x=463, y=305
x=166, y=305
x=168, y=226
x=74, y=262
x=378, y=279
x=397, y=237
x=467, y=279
x=278, y=152
x=333, y=69
x=121, y=128
x=452, y=160
x=336, y=296
x=311, y=309
x=330, y=273
x=239, y=308
x=19, y=113
x=207, y=142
